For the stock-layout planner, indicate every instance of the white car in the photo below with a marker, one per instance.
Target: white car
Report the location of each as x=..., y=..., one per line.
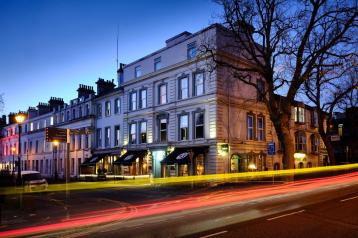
x=32, y=180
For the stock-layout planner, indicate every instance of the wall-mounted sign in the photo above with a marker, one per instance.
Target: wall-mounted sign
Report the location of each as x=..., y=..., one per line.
x=271, y=150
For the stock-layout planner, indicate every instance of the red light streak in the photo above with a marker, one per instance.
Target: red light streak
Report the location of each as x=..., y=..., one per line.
x=181, y=203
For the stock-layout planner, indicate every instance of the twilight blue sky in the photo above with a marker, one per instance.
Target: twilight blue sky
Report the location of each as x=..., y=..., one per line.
x=48, y=47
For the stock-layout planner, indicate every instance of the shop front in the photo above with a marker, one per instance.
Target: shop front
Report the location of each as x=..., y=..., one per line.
x=101, y=163
x=133, y=163
x=184, y=162
x=246, y=162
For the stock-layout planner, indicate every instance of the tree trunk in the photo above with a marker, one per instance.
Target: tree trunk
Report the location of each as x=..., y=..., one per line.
x=330, y=151
x=280, y=116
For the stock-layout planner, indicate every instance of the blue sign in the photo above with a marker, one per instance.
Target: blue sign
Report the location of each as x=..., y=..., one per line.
x=271, y=150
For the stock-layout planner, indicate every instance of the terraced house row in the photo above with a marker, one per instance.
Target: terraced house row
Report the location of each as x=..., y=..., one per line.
x=169, y=114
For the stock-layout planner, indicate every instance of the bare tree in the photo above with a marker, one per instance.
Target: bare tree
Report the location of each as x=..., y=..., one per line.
x=333, y=86
x=281, y=42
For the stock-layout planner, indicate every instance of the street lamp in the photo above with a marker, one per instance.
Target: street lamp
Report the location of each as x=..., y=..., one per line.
x=55, y=146
x=20, y=118
x=13, y=159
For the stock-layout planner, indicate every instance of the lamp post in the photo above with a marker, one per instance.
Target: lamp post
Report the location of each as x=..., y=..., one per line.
x=13, y=159
x=20, y=118
x=55, y=146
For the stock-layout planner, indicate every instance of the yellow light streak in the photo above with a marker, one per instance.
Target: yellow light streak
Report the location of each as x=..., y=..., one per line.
x=143, y=182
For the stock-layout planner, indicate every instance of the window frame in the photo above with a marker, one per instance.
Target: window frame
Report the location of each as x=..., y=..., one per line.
x=195, y=92
x=117, y=137
x=131, y=101
x=157, y=60
x=141, y=133
x=261, y=130
x=137, y=71
x=180, y=88
x=131, y=126
x=107, y=108
x=248, y=128
x=159, y=93
x=117, y=106
x=141, y=98
x=196, y=125
x=180, y=128
x=191, y=46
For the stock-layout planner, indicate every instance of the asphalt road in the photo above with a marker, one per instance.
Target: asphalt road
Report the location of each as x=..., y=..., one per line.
x=308, y=208
x=334, y=218
x=328, y=211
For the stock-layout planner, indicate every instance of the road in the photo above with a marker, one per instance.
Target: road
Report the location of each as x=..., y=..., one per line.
x=229, y=213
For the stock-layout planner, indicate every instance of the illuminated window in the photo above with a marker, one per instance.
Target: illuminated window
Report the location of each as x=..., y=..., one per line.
x=183, y=127
x=51, y=121
x=133, y=133
x=299, y=114
x=31, y=126
x=143, y=132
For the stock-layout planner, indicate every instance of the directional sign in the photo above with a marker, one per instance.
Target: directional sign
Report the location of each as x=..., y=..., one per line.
x=56, y=134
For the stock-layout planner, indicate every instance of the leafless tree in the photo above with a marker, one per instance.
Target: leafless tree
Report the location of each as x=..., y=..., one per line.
x=333, y=86
x=281, y=42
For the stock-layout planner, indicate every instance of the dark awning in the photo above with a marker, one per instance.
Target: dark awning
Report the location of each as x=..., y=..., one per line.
x=93, y=160
x=182, y=155
x=129, y=157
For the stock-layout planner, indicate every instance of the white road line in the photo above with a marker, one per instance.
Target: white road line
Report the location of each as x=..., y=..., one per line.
x=347, y=199
x=285, y=215
x=214, y=234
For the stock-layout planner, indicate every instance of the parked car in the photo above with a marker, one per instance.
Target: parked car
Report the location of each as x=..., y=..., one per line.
x=32, y=181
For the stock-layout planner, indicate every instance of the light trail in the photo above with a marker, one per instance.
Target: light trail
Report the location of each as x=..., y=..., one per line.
x=183, y=203
x=141, y=182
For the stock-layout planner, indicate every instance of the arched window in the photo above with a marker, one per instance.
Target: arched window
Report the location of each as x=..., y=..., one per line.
x=300, y=141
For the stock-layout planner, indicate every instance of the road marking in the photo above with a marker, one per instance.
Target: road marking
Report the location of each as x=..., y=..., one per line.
x=214, y=234
x=285, y=215
x=347, y=199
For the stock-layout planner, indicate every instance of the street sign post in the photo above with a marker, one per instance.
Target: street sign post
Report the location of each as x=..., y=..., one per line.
x=56, y=134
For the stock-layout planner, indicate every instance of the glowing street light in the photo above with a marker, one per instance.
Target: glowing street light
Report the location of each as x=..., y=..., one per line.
x=55, y=144
x=13, y=149
x=20, y=118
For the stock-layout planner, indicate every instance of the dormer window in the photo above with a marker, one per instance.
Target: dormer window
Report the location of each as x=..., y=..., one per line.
x=137, y=71
x=157, y=63
x=191, y=50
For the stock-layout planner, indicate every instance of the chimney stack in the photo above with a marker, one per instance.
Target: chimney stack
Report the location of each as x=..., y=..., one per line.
x=55, y=103
x=43, y=108
x=85, y=91
x=120, y=76
x=104, y=86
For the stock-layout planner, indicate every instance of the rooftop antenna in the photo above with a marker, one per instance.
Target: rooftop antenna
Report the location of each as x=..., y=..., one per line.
x=117, y=45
